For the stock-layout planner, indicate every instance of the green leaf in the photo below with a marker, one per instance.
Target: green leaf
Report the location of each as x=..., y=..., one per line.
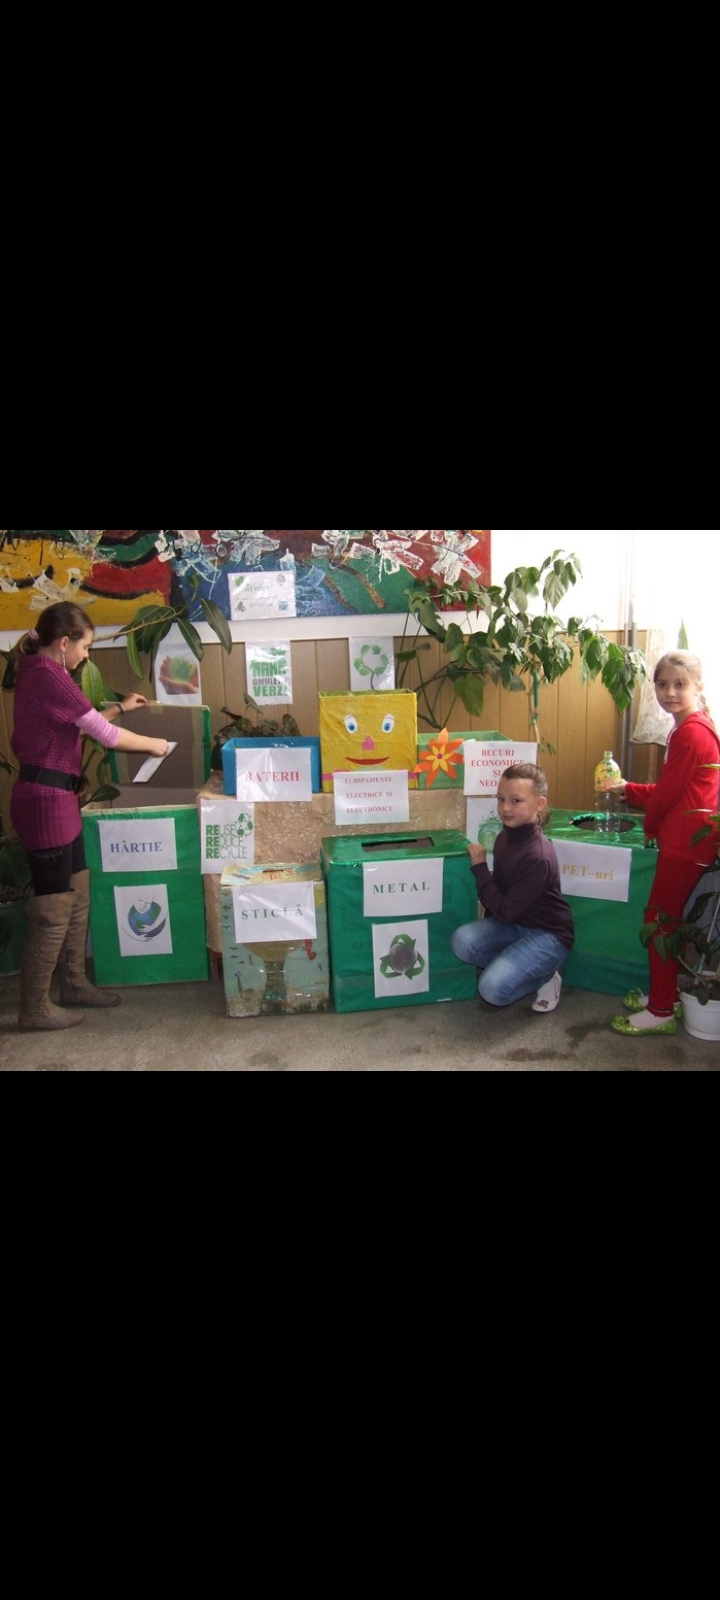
x=192, y=638
x=103, y=795
x=134, y=656
x=472, y=693
x=92, y=685
x=219, y=624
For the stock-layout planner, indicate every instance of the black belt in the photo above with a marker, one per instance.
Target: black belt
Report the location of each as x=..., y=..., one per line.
x=49, y=779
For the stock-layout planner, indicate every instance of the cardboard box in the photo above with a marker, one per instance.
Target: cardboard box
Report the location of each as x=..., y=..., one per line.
x=394, y=904
x=281, y=966
x=366, y=733
x=233, y=745
x=147, y=904
x=182, y=775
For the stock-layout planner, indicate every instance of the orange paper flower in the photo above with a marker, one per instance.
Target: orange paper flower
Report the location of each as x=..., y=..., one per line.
x=442, y=755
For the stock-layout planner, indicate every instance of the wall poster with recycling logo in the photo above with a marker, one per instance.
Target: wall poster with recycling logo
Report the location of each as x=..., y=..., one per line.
x=372, y=664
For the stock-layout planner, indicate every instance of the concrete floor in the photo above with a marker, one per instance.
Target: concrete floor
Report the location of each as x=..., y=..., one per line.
x=184, y=1029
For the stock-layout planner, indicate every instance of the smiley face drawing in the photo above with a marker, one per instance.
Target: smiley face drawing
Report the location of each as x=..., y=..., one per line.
x=367, y=733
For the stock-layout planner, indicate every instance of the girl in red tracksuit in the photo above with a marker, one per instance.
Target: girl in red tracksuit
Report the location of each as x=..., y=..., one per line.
x=675, y=810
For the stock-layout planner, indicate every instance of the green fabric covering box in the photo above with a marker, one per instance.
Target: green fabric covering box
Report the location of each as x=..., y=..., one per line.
x=442, y=763
x=394, y=902
x=608, y=956
x=147, y=905
x=275, y=940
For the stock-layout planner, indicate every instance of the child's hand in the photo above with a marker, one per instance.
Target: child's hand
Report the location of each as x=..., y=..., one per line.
x=617, y=789
x=133, y=703
x=158, y=747
x=477, y=855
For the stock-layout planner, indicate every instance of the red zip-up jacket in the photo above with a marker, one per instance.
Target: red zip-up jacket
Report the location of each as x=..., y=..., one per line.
x=687, y=792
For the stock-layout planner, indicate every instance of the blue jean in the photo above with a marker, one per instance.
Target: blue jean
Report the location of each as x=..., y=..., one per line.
x=516, y=960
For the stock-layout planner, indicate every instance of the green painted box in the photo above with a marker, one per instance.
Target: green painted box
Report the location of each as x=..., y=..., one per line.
x=394, y=902
x=441, y=763
x=147, y=904
x=607, y=957
x=274, y=940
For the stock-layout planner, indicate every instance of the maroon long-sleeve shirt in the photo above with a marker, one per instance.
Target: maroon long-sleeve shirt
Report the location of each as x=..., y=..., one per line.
x=50, y=715
x=525, y=885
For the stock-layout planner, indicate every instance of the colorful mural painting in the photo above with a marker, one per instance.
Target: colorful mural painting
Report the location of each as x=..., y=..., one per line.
x=247, y=572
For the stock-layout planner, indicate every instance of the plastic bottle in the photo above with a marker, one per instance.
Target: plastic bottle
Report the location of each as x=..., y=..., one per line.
x=489, y=831
x=607, y=778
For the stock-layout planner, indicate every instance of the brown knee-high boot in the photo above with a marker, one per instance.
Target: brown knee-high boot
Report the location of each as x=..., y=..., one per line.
x=75, y=987
x=49, y=918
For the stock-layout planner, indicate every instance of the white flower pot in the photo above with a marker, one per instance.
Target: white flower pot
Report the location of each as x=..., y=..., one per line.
x=703, y=1022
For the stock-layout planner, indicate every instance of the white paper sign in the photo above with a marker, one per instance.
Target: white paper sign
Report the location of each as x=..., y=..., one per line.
x=177, y=673
x=593, y=871
x=227, y=835
x=143, y=921
x=255, y=596
x=139, y=846
x=274, y=775
x=153, y=765
x=486, y=763
x=269, y=673
x=364, y=800
x=402, y=960
x=372, y=664
x=403, y=888
x=269, y=912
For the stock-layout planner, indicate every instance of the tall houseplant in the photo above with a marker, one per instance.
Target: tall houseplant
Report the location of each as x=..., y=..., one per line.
x=520, y=646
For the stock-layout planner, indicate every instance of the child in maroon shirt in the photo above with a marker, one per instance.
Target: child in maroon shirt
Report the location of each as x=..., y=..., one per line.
x=528, y=930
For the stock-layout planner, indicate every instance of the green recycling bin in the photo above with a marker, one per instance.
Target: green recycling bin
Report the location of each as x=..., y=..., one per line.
x=147, y=924
x=394, y=903
x=608, y=956
x=147, y=903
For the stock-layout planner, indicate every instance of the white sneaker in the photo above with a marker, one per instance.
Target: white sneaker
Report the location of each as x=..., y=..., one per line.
x=548, y=998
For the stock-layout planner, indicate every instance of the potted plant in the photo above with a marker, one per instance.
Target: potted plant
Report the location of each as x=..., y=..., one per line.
x=241, y=727
x=694, y=942
x=520, y=648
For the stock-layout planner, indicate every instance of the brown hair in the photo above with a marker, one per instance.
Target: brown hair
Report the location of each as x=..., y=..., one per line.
x=530, y=774
x=63, y=621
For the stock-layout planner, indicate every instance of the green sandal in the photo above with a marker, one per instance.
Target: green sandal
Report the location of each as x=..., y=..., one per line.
x=624, y=1025
x=635, y=1000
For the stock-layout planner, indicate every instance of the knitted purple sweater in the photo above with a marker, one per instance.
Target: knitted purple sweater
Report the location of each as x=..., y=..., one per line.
x=50, y=712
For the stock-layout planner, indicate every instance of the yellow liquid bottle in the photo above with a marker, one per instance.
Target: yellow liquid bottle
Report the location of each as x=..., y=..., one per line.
x=607, y=778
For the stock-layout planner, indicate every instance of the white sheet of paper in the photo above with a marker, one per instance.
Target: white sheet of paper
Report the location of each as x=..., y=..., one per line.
x=152, y=765
x=364, y=801
x=594, y=871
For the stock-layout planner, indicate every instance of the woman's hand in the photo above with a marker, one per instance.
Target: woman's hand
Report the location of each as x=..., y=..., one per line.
x=477, y=855
x=133, y=703
x=158, y=747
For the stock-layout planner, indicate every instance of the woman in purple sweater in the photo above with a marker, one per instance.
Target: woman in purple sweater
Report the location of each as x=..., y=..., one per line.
x=51, y=716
